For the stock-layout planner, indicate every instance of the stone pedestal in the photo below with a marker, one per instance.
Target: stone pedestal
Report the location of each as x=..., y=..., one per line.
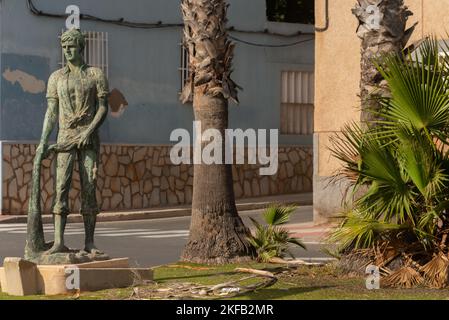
x=20, y=277
x=63, y=258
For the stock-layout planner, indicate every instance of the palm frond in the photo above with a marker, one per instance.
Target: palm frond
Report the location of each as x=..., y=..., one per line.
x=436, y=271
x=277, y=214
x=405, y=277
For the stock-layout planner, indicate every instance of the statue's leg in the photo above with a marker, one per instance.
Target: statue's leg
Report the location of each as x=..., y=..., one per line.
x=60, y=223
x=64, y=169
x=88, y=164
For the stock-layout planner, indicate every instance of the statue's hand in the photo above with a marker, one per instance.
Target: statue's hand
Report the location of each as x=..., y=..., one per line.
x=84, y=139
x=42, y=150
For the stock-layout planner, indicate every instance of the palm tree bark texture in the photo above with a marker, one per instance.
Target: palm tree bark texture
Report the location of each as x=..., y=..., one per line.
x=217, y=233
x=382, y=29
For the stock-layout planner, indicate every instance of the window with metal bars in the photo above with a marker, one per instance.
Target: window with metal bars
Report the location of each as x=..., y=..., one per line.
x=297, y=102
x=96, y=52
x=184, y=67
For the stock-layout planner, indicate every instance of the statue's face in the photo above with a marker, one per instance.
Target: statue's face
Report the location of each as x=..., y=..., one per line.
x=72, y=52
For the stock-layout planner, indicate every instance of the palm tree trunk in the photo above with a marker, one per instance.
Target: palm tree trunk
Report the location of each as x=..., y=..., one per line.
x=217, y=233
x=382, y=29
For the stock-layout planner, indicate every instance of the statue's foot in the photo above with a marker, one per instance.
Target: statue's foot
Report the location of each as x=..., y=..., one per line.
x=92, y=249
x=57, y=248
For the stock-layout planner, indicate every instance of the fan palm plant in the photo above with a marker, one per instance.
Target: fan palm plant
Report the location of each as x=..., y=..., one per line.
x=271, y=240
x=402, y=160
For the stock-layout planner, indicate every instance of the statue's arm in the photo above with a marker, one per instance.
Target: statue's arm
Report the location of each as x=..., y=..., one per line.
x=102, y=111
x=51, y=117
x=100, y=116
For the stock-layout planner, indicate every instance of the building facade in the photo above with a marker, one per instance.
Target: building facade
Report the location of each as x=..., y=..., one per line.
x=146, y=67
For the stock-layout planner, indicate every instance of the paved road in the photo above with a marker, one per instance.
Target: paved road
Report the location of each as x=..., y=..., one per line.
x=145, y=242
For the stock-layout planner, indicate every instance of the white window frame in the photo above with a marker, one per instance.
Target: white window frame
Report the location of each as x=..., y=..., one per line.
x=297, y=102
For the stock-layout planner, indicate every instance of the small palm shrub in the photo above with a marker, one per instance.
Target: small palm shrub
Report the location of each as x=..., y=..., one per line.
x=270, y=239
x=401, y=162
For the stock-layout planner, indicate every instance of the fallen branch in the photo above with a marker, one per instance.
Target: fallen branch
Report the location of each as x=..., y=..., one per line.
x=195, y=291
x=296, y=262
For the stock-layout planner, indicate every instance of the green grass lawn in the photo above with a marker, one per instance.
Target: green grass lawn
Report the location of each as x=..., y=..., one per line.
x=301, y=283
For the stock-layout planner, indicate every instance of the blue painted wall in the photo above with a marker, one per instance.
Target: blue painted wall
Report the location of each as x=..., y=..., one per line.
x=143, y=65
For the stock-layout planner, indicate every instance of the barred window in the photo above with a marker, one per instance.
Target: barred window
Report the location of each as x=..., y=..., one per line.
x=184, y=69
x=96, y=52
x=297, y=102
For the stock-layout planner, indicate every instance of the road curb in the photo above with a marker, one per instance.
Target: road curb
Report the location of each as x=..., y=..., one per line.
x=151, y=214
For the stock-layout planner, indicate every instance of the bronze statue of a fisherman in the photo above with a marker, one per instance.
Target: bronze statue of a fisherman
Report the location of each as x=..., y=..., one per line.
x=77, y=101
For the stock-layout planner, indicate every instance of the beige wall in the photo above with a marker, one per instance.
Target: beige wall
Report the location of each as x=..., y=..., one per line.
x=337, y=75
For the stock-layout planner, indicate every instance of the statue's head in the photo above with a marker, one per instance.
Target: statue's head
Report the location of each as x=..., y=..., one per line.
x=73, y=43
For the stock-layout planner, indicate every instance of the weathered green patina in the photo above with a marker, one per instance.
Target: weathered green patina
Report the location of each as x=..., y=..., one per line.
x=77, y=101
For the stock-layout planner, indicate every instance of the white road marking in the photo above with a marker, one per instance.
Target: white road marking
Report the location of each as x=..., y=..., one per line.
x=21, y=228
x=147, y=233
x=122, y=230
x=165, y=236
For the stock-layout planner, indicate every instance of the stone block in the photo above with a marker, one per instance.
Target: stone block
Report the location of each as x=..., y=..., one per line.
x=3, y=287
x=290, y=170
x=137, y=201
x=19, y=277
x=131, y=172
x=179, y=184
x=148, y=186
x=156, y=171
x=255, y=188
x=106, y=193
x=116, y=200
x=12, y=189
x=115, y=184
x=121, y=171
x=265, y=186
x=135, y=187
x=127, y=198
x=139, y=154
x=164, y=184
x=140, y=169
x=93, y=276
x=8, y=171
x=175, y=171
x=111, y=166
x=180, y=196
x=155, y=199
x=189, y=194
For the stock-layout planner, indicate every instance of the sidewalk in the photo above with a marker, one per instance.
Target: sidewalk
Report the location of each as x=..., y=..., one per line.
x=169, y=212
x=309, y=232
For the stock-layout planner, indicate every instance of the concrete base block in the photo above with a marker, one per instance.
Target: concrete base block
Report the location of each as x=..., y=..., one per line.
x=19, y=277
x=64, y=279
x=3, y=287
x=329, y=199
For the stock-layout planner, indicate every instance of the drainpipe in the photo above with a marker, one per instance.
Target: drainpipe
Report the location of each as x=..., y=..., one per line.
x=326, y=26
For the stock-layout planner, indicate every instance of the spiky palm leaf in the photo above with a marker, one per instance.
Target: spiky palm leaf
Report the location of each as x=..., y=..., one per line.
x=271, y=240
x=357, y=230
x=277, y=214
x=419, y=95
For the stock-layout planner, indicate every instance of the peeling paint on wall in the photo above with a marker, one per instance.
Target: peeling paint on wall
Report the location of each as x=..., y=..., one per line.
x=29, y=83
x=117, y=103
